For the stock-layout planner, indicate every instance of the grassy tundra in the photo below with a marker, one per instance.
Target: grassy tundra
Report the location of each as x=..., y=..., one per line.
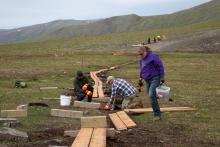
x=193, y=78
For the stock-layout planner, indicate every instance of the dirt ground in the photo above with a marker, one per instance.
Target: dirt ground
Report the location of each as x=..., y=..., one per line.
x=162, y=134
x=205, y=41
x=154, y=134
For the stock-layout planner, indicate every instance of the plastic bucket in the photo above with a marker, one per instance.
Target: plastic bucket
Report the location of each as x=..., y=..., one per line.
x=163, y=92
x=65, y=100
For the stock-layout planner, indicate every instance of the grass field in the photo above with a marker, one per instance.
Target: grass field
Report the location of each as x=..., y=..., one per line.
x=193, y=78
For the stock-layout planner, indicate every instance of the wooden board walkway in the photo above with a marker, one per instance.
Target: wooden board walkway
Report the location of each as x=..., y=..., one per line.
x=122, y=121
x=93, y=132
x=90, y=137
x=98, y=86
x=168, y=109
x=83, y=138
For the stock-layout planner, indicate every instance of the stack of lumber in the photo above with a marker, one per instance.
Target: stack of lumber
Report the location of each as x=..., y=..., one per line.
x=122, y=121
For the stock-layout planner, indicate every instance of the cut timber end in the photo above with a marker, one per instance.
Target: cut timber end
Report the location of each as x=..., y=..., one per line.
x=66, y=113
x=87, y=104
x=168, y=109
x=94, y=122
x=83, y=138
x=98, y=138
x=126, y=119
x=13, y=113
x=119, y=125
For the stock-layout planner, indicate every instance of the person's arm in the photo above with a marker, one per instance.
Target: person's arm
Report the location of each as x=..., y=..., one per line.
x=88, y=81
x=113, y=94
x=160, y=66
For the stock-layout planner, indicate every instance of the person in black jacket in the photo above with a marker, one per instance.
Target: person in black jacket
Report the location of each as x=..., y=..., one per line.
x=82, y=87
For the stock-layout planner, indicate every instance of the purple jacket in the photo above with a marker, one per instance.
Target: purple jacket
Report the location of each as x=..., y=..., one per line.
x=151, y=66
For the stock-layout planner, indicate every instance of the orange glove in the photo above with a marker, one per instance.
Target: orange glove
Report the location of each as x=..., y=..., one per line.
x=89, y=93
x=85, y=87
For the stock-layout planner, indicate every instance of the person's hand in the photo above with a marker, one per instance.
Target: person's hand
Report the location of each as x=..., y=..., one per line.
x=140, y=82
x=107, y=106
x=162, y=82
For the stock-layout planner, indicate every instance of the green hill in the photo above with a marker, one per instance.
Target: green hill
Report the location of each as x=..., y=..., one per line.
x=205, y=13
x=36, y=31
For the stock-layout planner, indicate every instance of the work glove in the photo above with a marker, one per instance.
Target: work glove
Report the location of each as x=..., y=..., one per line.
x=140, y=83
x=162, y=82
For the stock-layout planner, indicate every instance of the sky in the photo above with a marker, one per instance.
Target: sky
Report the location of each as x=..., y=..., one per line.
x=18, y=13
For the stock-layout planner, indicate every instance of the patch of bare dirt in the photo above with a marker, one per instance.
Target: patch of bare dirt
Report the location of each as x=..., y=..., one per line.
x=158, y=134
x=206, y=41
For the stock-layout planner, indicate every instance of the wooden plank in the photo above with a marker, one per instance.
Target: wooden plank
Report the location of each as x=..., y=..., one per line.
x=13, y=113
x=51, y=98
x=94, y=122
x=73, y=133
x=8, y=120
x=83, y=138
x=98, y=138
x=126, y=119
x=87, y=104
x=168, y=109
x=48, y=88
x=100, y=92
x=104, y=99
x=119, y=125
x=95, y=91
x=66, y=113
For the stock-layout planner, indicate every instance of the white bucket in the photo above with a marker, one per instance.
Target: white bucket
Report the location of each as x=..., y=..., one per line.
x=163, y=92
x=65, y=100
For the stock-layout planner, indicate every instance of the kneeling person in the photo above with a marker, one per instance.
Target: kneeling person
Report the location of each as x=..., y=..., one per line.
x=82, y=87
x=123, y=94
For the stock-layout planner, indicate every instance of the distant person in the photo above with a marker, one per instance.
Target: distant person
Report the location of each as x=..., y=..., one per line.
x=159, y=38
x=152, y=72
x=82, y=87
x=123, y=94
x=155, y=40
x=149, y=41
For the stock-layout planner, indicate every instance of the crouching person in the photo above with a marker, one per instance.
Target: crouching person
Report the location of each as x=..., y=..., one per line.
x=82, y=87
x=123, y=95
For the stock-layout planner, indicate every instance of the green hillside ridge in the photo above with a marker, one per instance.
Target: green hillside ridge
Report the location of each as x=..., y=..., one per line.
x=128, y=23
x=133, y=23
x=31, y=32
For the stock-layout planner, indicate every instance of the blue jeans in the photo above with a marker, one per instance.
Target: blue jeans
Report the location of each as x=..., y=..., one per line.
x=151, y=90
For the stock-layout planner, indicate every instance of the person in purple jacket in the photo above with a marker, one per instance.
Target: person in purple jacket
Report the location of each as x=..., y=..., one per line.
x=152, y=71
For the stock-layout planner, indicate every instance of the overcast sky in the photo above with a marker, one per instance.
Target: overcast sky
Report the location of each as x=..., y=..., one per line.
x=17, y=13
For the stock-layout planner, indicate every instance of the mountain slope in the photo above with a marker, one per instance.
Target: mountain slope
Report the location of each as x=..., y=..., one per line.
x=203, y=13
x=36, y=31
x=129, y=23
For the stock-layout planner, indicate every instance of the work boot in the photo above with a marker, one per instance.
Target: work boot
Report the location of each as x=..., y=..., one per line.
x=157, y=118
